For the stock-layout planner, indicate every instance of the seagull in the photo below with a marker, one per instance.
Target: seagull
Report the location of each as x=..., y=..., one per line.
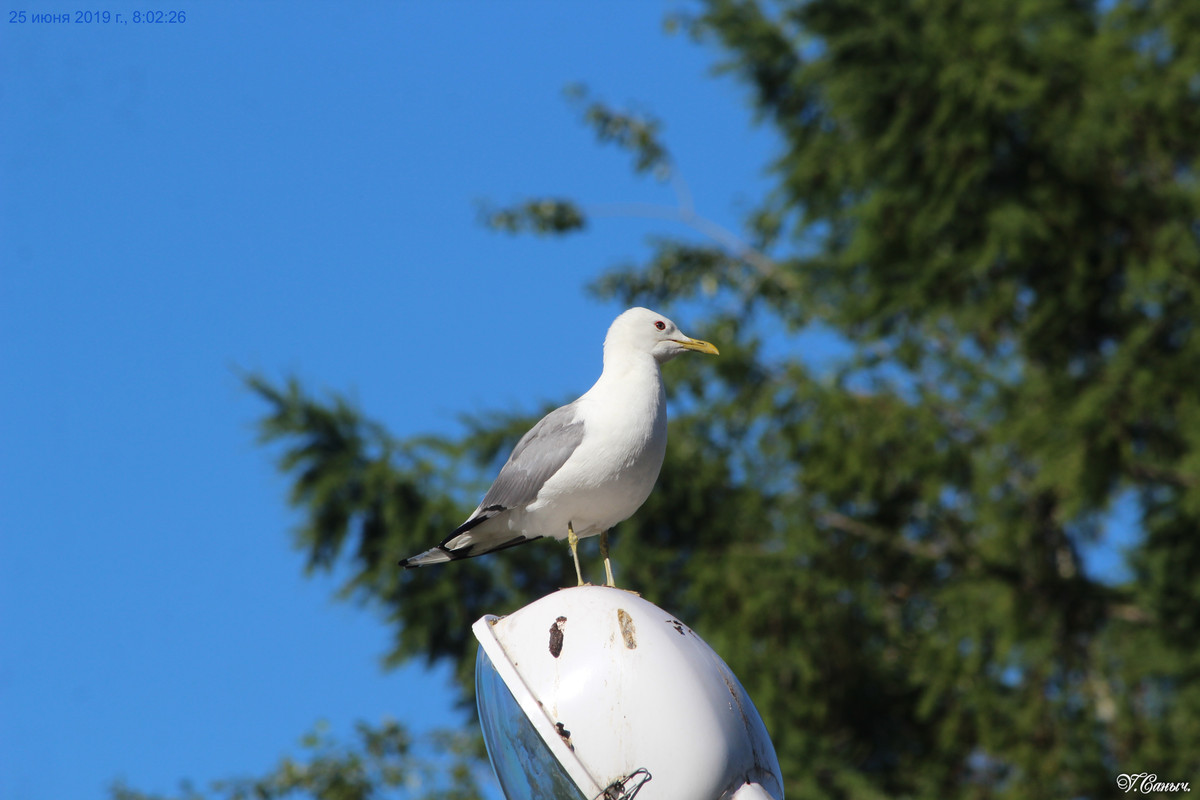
x=587, y=465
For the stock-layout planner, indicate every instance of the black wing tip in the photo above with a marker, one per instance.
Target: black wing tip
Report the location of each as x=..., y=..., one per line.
x=483, y=516
x=472, y=551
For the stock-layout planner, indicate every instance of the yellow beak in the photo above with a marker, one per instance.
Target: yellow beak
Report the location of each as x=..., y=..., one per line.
x=697, y=345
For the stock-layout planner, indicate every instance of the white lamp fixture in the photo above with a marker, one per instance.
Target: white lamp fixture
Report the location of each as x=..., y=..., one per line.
x=593, y=693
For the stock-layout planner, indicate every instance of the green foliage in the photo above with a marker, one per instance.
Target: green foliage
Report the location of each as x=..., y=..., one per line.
x=546, y=216
x=378, y=500
x=636, y=133
x=381, y=762
x=997, y=206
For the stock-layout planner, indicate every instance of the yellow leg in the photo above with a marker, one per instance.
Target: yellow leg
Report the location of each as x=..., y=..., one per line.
x=573, y=541
x=607, y=563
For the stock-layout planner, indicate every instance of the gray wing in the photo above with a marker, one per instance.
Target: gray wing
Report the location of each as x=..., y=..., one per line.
x=539, y=454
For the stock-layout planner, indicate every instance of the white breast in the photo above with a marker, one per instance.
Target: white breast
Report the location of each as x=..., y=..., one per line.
x=614, y=469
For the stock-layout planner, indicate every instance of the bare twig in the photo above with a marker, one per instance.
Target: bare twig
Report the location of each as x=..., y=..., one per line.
x=767, y=268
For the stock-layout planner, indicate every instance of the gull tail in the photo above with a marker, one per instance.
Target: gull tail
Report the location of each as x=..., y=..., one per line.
x=465, y=544
x=442, y=554
x=434, y=555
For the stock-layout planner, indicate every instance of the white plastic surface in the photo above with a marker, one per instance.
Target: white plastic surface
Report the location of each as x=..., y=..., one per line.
x=614, y=684
x=751, y=791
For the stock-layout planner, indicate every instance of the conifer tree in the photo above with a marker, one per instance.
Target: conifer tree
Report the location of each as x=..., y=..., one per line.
x=996, y=206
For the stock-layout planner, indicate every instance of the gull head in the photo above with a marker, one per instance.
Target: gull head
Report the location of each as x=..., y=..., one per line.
x=640, y=330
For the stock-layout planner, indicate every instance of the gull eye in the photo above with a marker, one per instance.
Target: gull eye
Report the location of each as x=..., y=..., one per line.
x=662, y=326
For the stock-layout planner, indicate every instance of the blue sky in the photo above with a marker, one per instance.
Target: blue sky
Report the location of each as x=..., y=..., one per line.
x=289, y=188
